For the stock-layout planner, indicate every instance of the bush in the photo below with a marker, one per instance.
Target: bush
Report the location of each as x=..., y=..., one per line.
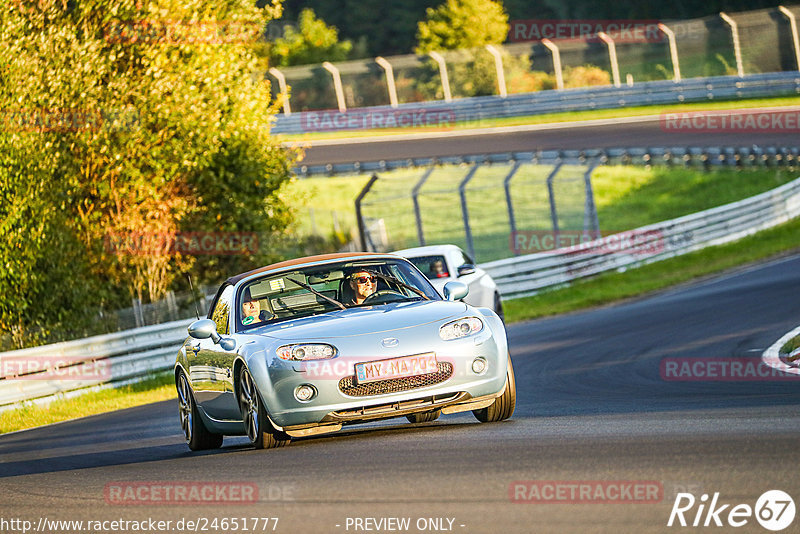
x=585, y=76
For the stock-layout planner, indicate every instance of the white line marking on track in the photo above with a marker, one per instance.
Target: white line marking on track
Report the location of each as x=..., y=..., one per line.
x=772, y=358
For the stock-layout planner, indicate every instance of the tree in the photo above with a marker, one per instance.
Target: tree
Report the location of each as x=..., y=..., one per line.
x=123, y=119
x=312, y=41
x=462, y=24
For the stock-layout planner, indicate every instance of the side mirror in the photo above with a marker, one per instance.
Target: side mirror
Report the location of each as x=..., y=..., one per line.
x=203, y=329
x=466, y=269
x=206, y=328
x=455, y=290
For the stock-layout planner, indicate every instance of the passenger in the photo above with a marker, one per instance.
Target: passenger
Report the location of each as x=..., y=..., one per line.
x=438, y=270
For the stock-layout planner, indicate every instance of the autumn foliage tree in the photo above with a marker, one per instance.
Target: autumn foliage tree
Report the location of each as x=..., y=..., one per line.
x=126, y=118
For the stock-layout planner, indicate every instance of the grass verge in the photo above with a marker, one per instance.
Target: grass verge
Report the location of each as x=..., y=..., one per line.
x=567, y=116
x=612, y=287
x=158, y=388
x=791, y=346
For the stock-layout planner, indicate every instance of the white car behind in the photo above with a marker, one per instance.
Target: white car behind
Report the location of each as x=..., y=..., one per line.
x=457, y=265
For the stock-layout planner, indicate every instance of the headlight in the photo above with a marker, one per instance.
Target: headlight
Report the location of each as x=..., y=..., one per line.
x=461, y=328
x=306, y=351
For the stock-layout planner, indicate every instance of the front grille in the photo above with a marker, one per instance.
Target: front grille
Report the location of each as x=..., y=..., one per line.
x=395, y=385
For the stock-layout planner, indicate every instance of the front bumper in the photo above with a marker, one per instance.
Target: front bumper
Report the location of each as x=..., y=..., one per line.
x=460, y=390
x=333, y=422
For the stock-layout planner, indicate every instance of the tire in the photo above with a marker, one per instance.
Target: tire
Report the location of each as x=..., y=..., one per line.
x=498, y=307
x=503, y=406
x=197, y=436
x=257, y=425
x=424, y=417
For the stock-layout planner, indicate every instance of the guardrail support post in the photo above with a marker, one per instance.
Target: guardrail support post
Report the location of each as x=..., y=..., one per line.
x=462, y=192
x=795, y=40
x=337, y=84
x=556, y=62
x=287, y=109
x=387, y=69
x=673, y=51
x=439, y=59
x=498, y=65
x=362, y=229
x=417, y=211
x=552, y=196
x=591, y=223
x=612, y=56
x=509, y=203
x=737, y=48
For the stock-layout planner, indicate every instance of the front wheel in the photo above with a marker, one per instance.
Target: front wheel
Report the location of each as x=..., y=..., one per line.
x=259, y=429
x=503, y=406
x=194, y=431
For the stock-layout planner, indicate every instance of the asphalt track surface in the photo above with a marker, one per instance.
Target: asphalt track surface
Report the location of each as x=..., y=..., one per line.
x=613, y=133
x=592, y=406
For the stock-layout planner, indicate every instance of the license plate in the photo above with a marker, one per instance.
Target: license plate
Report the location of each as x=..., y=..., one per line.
x=419, y=364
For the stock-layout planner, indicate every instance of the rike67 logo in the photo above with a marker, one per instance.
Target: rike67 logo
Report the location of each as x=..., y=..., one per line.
x=774, y=510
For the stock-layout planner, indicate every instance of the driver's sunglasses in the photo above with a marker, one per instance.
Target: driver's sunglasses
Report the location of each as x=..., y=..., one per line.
x=365, y=279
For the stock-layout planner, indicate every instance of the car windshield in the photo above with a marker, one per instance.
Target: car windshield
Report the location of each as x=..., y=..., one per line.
x=431, y=266
x=320, y=289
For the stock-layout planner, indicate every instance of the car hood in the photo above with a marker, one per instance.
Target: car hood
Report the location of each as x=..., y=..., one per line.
x=364, y=320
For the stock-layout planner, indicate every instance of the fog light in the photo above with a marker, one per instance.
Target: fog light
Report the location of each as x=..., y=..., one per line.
x=479, y=366
x=305, y=393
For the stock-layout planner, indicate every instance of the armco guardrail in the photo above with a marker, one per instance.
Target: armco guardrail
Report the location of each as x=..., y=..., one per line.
x=477, y=108
x=49, y=370
x=137, y=353
x=527, y=275
x=706, y=157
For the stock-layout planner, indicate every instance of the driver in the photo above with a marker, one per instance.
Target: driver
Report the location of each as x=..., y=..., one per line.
x=363, y=285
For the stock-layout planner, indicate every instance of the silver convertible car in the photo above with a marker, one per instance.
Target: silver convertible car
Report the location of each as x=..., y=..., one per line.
x=302, y=347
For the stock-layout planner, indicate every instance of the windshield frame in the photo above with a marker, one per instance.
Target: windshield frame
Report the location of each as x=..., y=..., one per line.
x=337, y=272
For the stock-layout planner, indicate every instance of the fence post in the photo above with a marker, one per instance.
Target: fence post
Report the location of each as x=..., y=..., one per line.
x=387, y=69
x=737, y=48
x=337, y=84
x=362, y=230
x=439, y=59
x=612, y=56
x=172, y=306
x=138, y=315
x=590, y=210
x=556, y=62
x=287, y=109
x=673, y=51
x=795, y=40
x=417, y=211
x=498, y=65
x=462, y=192
x=509, y=203
x=552, y=197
